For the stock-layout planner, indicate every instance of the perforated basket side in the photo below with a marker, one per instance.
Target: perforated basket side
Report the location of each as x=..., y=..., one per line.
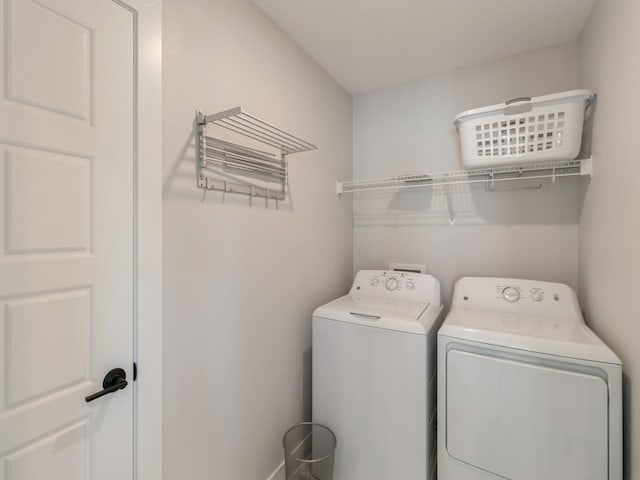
x=551, y=131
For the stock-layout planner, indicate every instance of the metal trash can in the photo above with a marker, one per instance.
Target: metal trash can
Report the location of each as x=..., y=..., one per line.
x=309, y=450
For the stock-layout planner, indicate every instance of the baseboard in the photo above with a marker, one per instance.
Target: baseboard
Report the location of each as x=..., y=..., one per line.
x=278, y=473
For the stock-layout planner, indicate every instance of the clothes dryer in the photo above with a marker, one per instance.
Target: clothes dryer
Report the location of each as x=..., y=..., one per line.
x=374, y=353
x=526, y=391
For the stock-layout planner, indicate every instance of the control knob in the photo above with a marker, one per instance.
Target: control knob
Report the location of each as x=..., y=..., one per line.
x=391, y=284
x=375, y=282
x=511, y=294
x=537, y=296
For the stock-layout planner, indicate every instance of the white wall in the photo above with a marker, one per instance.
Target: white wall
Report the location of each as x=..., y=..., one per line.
x=610, y=222
x=408, y=129
x=240, y=281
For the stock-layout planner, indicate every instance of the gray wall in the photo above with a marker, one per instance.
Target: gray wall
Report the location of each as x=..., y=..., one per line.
x=610, y=222
x=242, y=281
x=408, y=129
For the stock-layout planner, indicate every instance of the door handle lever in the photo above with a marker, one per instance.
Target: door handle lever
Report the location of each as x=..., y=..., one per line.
x=113, y=381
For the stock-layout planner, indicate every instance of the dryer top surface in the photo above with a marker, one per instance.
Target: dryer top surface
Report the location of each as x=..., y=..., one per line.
x=526, y=315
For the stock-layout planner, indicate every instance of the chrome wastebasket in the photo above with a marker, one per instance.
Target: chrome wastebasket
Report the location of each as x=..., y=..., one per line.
x=309, y=449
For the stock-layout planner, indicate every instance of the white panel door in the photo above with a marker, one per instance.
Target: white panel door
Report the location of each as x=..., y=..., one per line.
x=523, y=421
x=66, y=240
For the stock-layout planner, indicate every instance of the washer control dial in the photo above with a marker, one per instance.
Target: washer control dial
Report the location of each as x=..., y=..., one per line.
x=537, y=296
x=391, y=284
x=375, y=282
x=410, y=285
x=511, y=294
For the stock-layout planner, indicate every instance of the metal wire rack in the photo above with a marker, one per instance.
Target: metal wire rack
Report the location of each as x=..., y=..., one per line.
x=215, y=154
x=490, y=176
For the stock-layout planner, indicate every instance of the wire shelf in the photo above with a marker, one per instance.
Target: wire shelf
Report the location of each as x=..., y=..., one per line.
x=495, y=174
x=490, y=176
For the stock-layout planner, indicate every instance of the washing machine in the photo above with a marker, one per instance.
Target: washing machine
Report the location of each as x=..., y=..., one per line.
x=526, y=391
x=374, y=353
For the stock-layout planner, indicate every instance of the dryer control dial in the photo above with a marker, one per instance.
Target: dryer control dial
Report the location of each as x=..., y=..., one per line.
x=537, y=296
x=511, y=294
x=391, y=284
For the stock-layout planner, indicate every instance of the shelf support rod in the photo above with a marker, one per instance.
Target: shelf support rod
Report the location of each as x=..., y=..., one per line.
x=447, y=193
x=200, y=127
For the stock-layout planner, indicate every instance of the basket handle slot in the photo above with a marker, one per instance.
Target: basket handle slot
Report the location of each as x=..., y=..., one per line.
x=517, y=100
x=517, y=106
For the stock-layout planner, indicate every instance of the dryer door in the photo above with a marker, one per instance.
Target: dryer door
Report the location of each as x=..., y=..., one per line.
x=525, y=420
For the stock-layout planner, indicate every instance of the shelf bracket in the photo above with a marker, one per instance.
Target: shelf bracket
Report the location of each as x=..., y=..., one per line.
x=586, y=167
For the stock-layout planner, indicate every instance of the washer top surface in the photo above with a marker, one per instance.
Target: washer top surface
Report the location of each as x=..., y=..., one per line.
x=400, y=301
x=527, y=315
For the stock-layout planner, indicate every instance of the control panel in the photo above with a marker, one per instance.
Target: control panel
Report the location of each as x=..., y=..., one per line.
x=398, y=285
x=516, y=296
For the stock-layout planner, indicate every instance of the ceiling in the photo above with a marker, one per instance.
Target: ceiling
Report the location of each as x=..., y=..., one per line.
x=371, y=44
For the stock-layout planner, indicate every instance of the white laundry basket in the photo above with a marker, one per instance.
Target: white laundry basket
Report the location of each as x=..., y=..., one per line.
x=524, y=130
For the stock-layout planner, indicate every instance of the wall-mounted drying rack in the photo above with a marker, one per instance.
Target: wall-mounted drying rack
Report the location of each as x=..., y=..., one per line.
x=265, y=166
x=490, y=176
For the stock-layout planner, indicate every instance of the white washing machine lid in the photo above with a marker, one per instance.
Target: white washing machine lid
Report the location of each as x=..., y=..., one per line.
x=565, y=337
x=399, y=315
